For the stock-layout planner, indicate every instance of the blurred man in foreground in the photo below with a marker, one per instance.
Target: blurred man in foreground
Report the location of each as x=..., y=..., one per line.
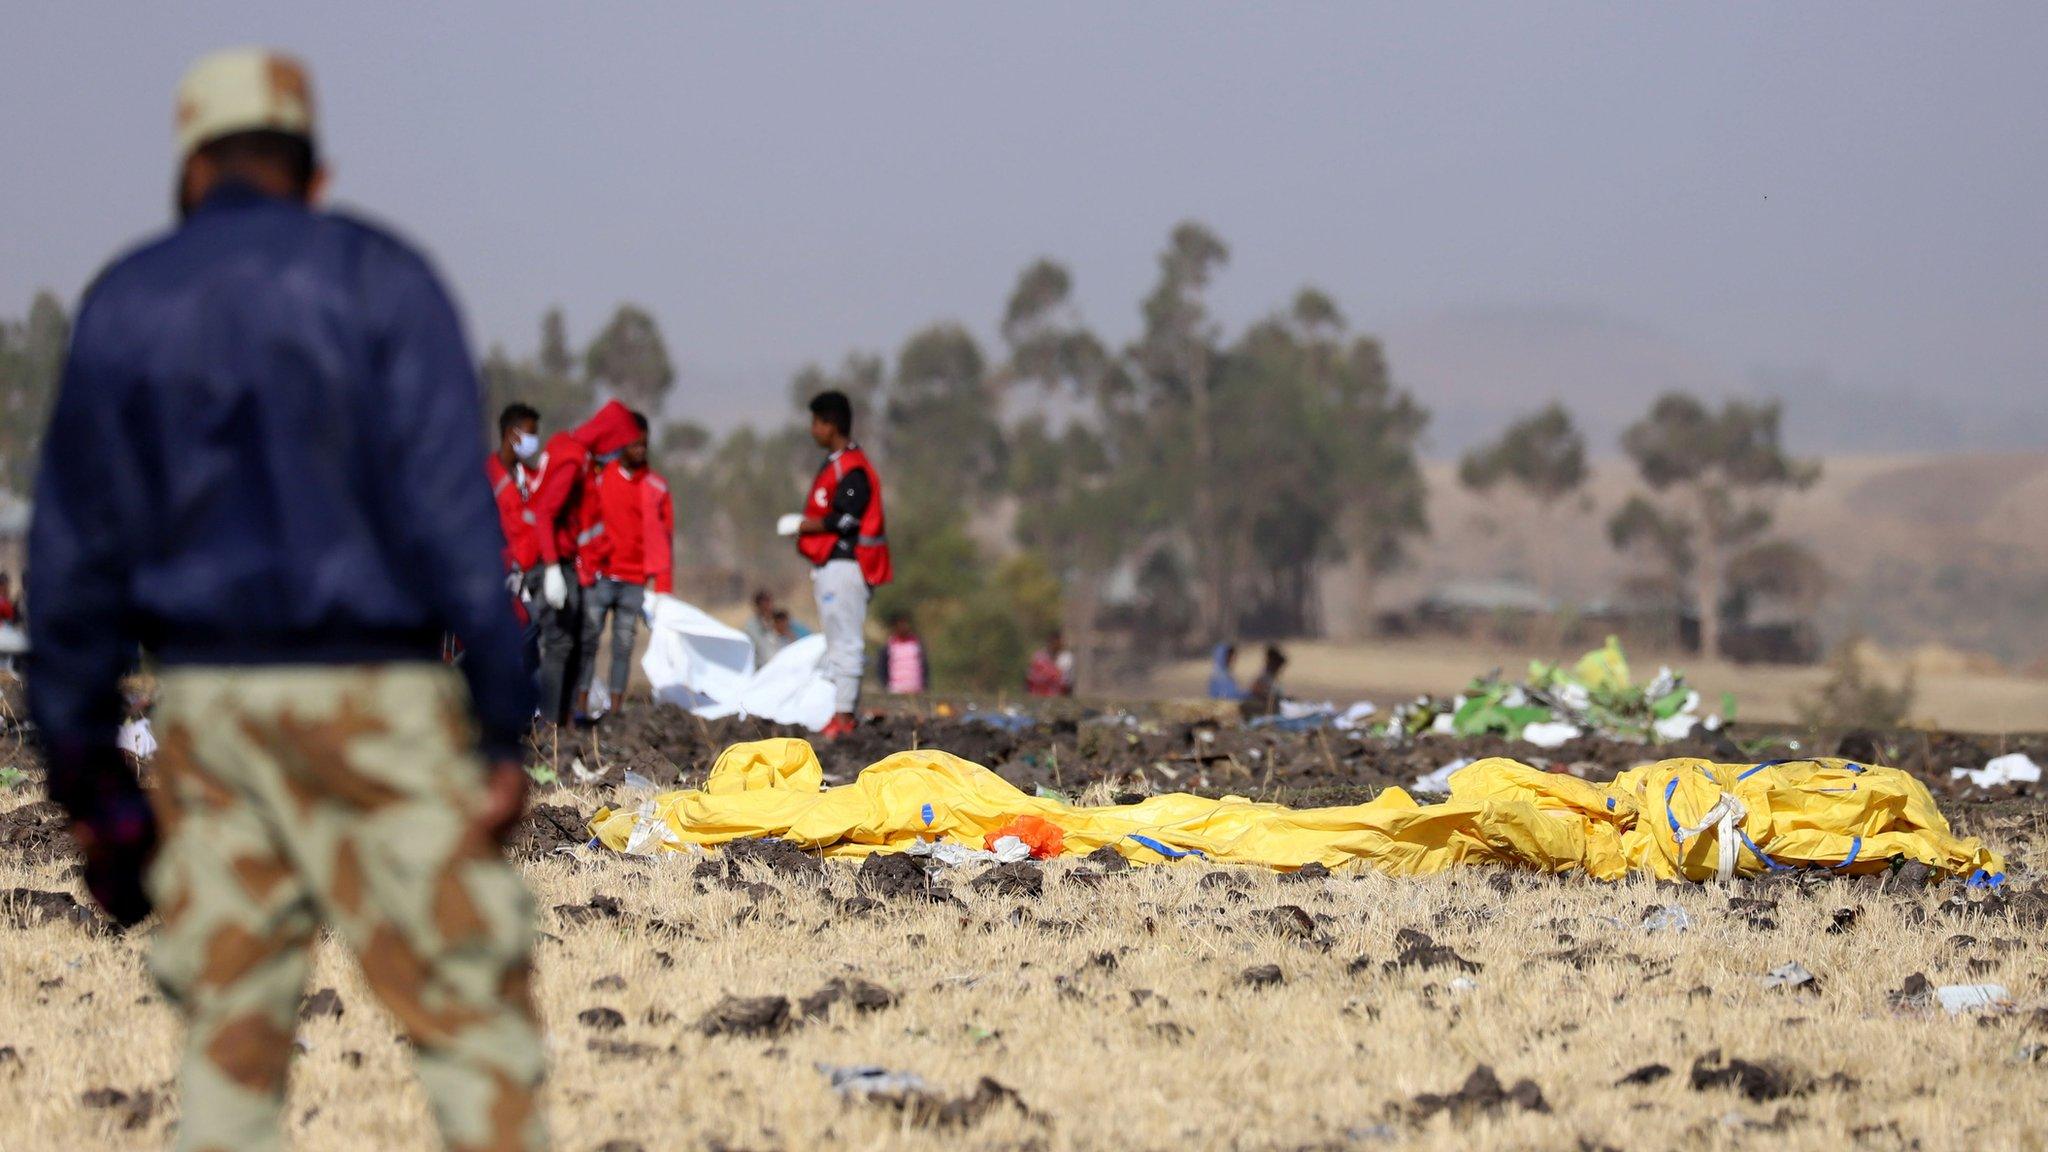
x=264, y=469
x=841, y=531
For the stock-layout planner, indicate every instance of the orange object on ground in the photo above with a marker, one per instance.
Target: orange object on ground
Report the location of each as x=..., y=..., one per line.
x=1043, y=837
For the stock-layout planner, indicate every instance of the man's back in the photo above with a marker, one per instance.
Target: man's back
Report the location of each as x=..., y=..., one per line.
x=250, y=463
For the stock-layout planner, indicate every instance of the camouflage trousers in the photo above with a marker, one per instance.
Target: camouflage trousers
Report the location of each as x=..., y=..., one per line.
x=301, y=796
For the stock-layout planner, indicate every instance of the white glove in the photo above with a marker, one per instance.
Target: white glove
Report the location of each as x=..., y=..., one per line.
x=648, y=604
x=788, y=525
x=554, y=587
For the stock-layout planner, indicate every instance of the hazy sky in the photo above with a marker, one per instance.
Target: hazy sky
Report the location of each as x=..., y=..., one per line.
x=1846, y=198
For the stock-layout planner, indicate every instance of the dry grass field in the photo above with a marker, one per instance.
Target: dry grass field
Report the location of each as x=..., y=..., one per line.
x=1117, y=1009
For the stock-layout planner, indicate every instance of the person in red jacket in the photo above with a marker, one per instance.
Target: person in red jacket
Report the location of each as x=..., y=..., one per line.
x=509, y=470
x=563, y=529
x=632, y=558
x=842, y=533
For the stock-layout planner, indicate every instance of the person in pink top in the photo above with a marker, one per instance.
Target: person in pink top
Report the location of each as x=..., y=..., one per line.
x=904, y=669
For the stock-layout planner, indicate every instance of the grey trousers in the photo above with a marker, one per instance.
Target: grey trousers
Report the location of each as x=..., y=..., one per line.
x=623, y=602
x=561, y=643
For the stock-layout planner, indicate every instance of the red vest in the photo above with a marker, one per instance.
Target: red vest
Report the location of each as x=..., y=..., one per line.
x=521, y=527
x=871, y=546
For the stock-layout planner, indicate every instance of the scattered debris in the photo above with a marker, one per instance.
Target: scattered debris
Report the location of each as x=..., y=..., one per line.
x=1792, y=975
x=1669, y=918
x=324, y=1004
x=921, y=1107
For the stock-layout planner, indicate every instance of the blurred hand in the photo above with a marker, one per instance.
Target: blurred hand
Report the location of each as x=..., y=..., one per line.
x=515, y=581
x=555, y=587
x=505, y=787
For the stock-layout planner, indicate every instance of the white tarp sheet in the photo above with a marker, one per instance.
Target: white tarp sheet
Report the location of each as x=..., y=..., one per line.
x=697, y=663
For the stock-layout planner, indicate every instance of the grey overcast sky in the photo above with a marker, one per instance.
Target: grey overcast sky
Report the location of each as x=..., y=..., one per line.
x=1844, y=204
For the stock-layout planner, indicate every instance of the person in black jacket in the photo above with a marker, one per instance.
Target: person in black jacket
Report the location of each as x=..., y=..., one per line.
x=265, y=471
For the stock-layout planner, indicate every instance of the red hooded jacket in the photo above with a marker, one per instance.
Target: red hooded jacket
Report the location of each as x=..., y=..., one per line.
x=560, y=504
x=639, y=527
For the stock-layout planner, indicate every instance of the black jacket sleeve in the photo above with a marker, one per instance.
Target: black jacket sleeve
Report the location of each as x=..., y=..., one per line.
x=849, y=504
x=442, y=517
x=82, y=637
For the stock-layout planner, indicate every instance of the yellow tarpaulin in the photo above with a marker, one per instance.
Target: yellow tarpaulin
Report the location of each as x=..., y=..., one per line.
x=1798, y=814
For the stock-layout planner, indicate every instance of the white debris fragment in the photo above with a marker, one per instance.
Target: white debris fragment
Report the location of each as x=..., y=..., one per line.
x=136, y=739
x=2013, y=768
x=1677, y=726
x=1792, y=975
x=1356, y=715
x=867, y=1079
x=1669, y=918
x=1959, y=998
x=1439, y=780
x=1550, y=733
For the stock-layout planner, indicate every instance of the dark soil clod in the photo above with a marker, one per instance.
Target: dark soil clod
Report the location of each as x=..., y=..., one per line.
x=1758, y=1082
x=602, y=1019
x=1262, y=976
x=1307, y=873
x=600, y=907
x=1647, y=1074
x=1417, y=950
x=861, y=995
x=28, y=907
x=1916, y=994
x=1107, y=859
x=1289, y=921
x=1016, y=879
x=899, y=876
x=548, y=828
x=36, y=833
x=773, y=853
x=747, y=1016
x=1481, y=1092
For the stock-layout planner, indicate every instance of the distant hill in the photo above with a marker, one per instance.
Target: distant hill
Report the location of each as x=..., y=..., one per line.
x=1476, y=368
x=1920, y=549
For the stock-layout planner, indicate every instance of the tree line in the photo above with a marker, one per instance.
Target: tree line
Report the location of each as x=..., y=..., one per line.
x=1190, y=486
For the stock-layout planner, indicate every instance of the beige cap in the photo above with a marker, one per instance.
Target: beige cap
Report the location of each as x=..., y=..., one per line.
x=243, y=90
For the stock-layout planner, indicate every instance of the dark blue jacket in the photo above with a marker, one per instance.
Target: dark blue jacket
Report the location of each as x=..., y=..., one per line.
x=268, y=449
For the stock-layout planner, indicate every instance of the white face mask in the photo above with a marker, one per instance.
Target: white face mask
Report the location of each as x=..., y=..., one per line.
x=526, y=445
